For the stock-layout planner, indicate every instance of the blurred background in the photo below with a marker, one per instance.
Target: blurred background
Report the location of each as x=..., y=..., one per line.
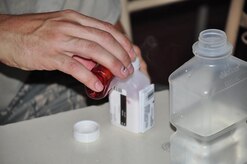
x=165, y=32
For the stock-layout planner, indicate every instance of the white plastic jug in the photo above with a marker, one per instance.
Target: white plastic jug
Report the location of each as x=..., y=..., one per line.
x=132, y=102
x=208, y=105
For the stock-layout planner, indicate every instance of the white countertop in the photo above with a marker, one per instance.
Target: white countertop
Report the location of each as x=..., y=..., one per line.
x=49, y=140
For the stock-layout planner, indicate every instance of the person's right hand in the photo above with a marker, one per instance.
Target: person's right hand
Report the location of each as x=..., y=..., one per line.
x=67, y=41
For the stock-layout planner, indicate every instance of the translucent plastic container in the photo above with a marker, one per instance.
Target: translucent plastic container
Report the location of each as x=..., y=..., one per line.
x=132, y=102
x=208, y=105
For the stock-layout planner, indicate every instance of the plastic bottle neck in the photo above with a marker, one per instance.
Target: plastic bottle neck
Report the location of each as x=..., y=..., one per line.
x=136, y=64
x=212, y=43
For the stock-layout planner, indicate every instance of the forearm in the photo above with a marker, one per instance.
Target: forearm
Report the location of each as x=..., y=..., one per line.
x=3, y=37
x=3, y=17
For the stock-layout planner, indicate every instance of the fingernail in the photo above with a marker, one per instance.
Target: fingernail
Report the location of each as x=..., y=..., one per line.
x=124, y=71
x=98, y=86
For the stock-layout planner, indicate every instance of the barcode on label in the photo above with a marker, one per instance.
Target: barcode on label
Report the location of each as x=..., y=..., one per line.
x=147, y=107
x=146, y=114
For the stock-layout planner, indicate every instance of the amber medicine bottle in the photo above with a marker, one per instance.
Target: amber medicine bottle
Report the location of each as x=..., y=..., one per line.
x=106, y=77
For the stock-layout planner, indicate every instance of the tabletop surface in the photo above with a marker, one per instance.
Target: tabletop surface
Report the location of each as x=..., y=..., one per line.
x=50, y=139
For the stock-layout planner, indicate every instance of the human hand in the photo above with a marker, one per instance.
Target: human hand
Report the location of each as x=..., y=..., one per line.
x=67, y=41
x=143, y=64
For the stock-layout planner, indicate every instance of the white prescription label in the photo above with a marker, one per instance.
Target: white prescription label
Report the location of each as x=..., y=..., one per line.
x=146, y=102
x=135, y=114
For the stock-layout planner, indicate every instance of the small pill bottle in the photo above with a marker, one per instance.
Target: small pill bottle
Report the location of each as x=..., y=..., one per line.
x=106, y=78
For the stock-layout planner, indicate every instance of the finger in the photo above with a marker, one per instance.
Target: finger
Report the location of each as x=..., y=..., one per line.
x=102, y=38
x=89, y=64
x=93, y=51
x=72, y=67
x=104, y=26
x=122, y=39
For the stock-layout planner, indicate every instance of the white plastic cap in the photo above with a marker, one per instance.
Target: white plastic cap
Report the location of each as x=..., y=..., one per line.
x=86, y=131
